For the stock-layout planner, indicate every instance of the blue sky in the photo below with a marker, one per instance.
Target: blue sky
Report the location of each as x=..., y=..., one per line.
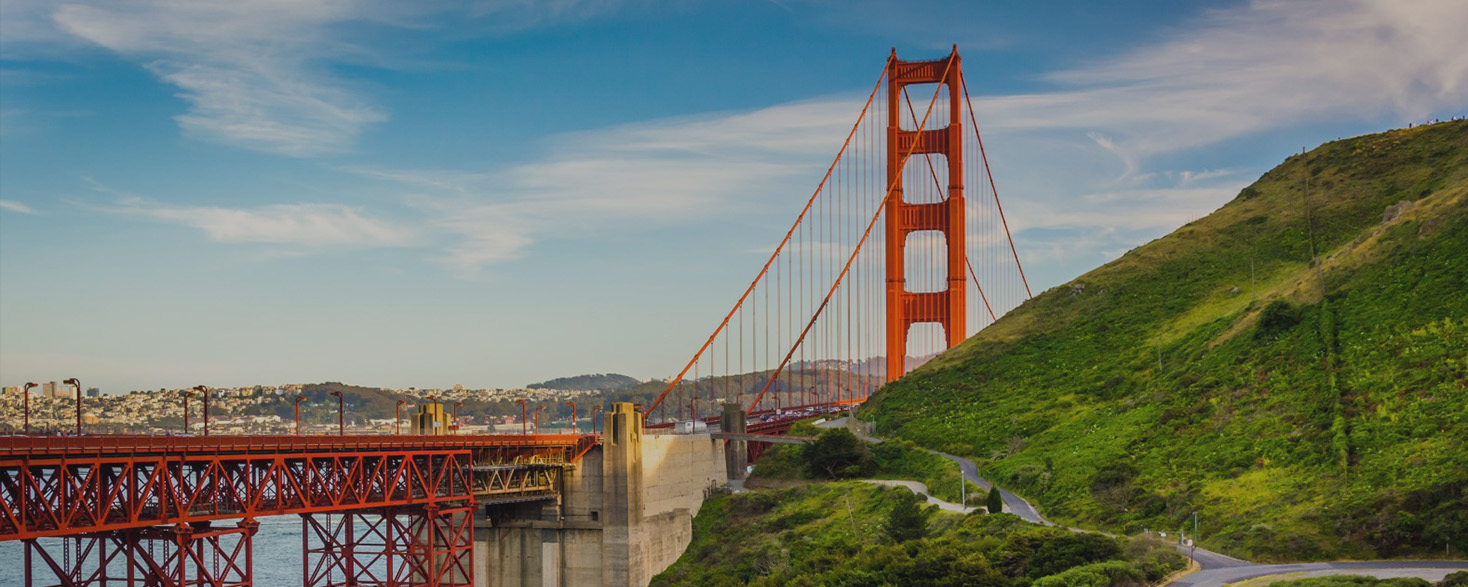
x=498, y=192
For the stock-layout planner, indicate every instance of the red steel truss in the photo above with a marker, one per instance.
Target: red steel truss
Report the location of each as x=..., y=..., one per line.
x=142, y=510
x=417, y=546
x=173, y=556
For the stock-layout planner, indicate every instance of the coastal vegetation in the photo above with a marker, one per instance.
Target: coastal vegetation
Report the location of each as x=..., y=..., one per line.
x=855, y=534
x=1291, y=369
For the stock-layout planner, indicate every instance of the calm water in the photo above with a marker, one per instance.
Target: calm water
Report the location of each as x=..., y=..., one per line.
x=277, y=556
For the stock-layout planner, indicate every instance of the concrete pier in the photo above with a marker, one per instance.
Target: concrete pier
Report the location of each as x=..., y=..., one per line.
x=623, y=515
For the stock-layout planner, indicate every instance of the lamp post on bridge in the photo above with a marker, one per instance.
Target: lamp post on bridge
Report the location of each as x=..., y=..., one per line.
x=204, y=391
x=523, y=429
x=185, y=395
x=456, y=416
x=573, y=415
x=78, y=385
x=341, y=410
x=537, y=418
x=299, y=399
x=26, y=395
x=397, y=418
x=594, y=411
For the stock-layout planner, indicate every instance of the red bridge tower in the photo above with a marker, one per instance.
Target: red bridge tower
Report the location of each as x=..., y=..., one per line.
x=945, y=306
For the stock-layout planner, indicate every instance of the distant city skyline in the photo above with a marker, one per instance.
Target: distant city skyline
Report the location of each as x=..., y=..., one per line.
x=498, y=193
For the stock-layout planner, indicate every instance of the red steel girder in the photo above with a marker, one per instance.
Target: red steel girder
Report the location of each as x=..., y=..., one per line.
x=61, y=495
x=417, y=546
x=186, y=555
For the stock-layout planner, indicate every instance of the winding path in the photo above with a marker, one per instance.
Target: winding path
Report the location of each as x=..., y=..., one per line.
x=1217, y=569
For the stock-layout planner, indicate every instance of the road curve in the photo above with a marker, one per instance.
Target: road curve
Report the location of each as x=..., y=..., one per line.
x=1218, y=577
x=1217, y=569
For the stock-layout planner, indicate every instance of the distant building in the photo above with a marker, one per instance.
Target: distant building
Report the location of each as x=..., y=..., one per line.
x=13, y=390
x=53, y=390
x=94, y=392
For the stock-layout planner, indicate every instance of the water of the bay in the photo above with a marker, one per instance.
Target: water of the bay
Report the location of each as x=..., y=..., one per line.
x=277, y=556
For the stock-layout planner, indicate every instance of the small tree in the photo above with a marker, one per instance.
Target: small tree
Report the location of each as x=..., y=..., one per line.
x=995, y=503
x=908, y=520
x=838, y=454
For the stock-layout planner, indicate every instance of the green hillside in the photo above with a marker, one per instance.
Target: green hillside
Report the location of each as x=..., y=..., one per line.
x=852, y=533
x=1293, y=367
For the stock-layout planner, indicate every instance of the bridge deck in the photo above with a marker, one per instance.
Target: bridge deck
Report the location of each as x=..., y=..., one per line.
x=56, y=486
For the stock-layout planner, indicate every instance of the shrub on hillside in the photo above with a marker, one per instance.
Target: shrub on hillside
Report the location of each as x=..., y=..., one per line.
x=908, y=520
x=838, y=454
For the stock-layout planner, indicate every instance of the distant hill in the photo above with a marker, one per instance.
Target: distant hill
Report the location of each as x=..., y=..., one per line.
x=1292, y=367
x=594, y=382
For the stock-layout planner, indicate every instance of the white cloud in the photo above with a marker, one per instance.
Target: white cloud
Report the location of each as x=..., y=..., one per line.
x=1092, y=162
x=15, y=206
x=253, y=72
x=1254, y=68
x=256, y=73
x=308, y=225
x=659, y=171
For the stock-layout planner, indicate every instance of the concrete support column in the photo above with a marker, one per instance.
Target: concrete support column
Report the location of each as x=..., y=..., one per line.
x=736, y=454
x=622, y=554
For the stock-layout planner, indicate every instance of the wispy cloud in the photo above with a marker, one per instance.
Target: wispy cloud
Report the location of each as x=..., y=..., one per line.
x=1094, y=156
x=15, y=206
x=305, y=225
x=1269, y=63
x=257, y=74
x=253, y=72
x=659, y=171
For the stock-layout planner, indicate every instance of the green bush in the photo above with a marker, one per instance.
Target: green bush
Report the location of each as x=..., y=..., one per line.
x=908, y=520
x=838, y=454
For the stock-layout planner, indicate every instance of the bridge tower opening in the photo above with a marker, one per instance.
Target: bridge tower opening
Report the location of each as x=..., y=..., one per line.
x=945, y=306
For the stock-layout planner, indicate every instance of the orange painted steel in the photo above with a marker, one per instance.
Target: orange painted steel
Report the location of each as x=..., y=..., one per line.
x=114, y=498
x=58, y=486
x=390, y=547
x=892, y=185
x=946, y=307
x=1000, y=207
x=773, y=256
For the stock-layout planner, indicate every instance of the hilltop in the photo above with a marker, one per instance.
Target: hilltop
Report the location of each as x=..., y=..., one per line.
x=592, y=382
x=1293, y=367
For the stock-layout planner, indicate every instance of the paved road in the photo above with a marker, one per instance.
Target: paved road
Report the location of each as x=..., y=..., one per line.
x=921, y=489
x=1217, y=569
x=1217, y=577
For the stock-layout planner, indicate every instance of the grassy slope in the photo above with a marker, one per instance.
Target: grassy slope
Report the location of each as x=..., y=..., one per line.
x=1335, y=428
x=834, y=534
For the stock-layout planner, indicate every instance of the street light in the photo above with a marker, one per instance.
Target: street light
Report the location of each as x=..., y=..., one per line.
x=537, y=418
x=456, y=416
x=27, y=395
x=185, y=395
x=594, y=411
x=573, y=415
x=397, y=417
x=523, y=431
x=299, y=399
x=341, y=410
x=78, y=385
x=204, y=391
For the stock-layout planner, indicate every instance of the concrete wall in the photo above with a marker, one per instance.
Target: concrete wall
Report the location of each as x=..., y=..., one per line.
x=625, y=513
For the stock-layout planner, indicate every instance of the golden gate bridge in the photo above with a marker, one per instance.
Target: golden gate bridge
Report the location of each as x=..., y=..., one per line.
x=901, y=252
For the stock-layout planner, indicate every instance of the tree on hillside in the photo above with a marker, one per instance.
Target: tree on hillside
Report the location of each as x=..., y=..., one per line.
x=838, y=454
x=908, y=520
x=995, y=503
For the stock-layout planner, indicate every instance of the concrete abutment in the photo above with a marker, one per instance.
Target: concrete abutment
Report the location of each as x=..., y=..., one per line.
x=624, y=513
